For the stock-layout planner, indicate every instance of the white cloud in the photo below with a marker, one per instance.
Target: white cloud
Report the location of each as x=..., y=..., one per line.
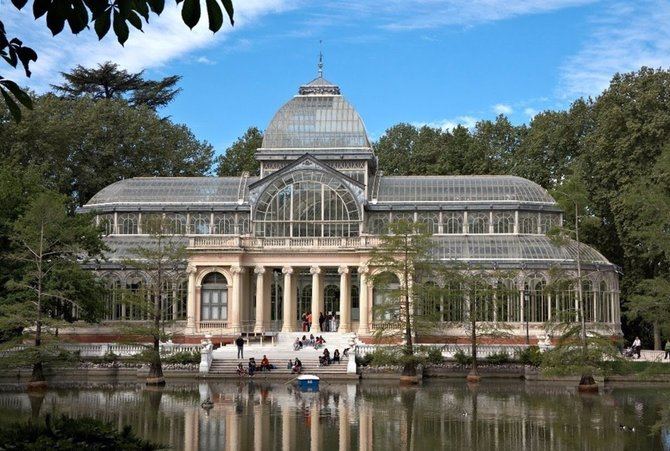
x=164, y=38
x=530, y=112
x=501, y=108
x=205, y=60
x=425, y=14
x=629, y=35
x=450, y=124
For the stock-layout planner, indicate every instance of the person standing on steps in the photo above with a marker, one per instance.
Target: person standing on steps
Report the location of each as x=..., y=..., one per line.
x=321, y=320
x=240, y=347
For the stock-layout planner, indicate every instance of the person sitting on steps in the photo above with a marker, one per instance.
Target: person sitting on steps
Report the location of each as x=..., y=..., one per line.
x=265, y=364
x=252, y=366
x=289, y=365
x=240, y=369
x=297, y=366
x=297, y=344
x=336, y=356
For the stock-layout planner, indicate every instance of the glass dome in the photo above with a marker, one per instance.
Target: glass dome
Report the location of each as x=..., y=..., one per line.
x=317, y=118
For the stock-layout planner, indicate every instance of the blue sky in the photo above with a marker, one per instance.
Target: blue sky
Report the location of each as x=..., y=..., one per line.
x=437, y=62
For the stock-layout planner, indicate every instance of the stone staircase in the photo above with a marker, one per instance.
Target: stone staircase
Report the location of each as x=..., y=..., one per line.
x=225, y=361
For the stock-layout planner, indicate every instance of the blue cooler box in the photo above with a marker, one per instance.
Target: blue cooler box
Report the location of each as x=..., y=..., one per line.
x=308, y=382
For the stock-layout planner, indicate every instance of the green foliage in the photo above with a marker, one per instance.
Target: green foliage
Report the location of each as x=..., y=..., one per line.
x=498, y=358
x=108, y=81
x=530, y=356
x=365, y=360
x=385, y=357
x=71, y=434
x=435, y=356
x=183, y=358
x=462, y=358
x=239, y=157
x=81, y=145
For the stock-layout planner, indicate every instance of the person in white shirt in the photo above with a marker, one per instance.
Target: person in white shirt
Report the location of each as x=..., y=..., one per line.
x=637, y=346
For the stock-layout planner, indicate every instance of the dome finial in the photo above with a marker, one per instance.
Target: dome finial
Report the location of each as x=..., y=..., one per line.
x=320, y=65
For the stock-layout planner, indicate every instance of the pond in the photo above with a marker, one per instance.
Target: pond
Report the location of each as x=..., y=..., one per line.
x=495, y=415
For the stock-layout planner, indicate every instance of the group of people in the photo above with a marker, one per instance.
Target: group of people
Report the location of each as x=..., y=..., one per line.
x=253, y=366
x=327, y=323
x=303, y=342
x=325, y=359
x=636, y=349
x=295, y=367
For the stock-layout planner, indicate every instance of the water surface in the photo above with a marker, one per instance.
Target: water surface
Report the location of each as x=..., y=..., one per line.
x=502, y=415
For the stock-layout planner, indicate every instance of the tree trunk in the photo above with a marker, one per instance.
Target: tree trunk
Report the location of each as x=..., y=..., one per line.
x=156, y=366
x=657, y=336
x=473, y=376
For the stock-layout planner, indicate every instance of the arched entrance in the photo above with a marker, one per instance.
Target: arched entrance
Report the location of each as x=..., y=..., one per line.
x=331, y=303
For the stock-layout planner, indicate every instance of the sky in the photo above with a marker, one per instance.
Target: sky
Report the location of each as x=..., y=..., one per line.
x=435, y=62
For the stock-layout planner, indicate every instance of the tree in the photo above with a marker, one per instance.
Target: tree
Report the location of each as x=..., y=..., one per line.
x=83, y=145
x=80, y=14
x=162, y=259
x=48, y=244
x=239, y=157
x=650, y=301
x=403, y=275
x=108, y=81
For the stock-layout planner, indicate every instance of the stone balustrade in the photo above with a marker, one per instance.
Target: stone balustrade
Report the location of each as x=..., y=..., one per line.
x=236, y=242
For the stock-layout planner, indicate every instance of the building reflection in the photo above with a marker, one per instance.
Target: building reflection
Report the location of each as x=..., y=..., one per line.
x=260, y=417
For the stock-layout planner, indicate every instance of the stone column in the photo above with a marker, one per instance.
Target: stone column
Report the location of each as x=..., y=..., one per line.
x=260, y=298
x=343, y=425
x=317, y=297
x=363, y=324
x=314, y=429
x=289, y=296
x=364, y=432
x=345, y=299
x=236, y=301
x=190, y=302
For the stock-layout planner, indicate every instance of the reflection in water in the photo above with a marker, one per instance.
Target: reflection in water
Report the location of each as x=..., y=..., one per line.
x=438, y=415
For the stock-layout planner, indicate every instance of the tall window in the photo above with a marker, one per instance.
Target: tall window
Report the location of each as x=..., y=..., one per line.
x=548, y=221
x=378, y=223
x=128, y=224
x=177, y=223
x=106, y=223
x=536, y=299
x=478, y=222
x=224, y=224
x=307, y=203
x=452, y=223
x=528, y=223
x=385, y=297
x=431, y=221
x=503, y=222
x=214, y=298
x=199, y=223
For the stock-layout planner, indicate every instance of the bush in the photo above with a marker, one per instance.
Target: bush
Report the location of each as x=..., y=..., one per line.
x=435, y=356
x=383, y=357
x=462, y=358
x=530, y=356
x=364, y=361
x=72, y=433
x=498, y=358
x=183, y=358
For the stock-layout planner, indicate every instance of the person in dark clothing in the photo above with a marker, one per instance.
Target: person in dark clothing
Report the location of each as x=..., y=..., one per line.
x=240, y=347
x=336, y=356
x=252, y=366
x=321, y=320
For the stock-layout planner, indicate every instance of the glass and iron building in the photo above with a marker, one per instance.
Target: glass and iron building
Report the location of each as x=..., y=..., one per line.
x=263, y=250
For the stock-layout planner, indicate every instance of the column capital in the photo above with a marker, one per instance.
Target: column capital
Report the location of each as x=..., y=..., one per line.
x=287, y=270
x=190, y=269
x=236, y=269
x=343, y=269
x=364, y=269
x=260, y=270
x=315, y=270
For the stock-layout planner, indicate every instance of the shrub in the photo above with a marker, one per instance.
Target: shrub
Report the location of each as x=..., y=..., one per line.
x=183, y=358
x=498, y=358
x=462, y=358
x=530, y=356
x=383, y=357
x=364, y=361
x=435, y=356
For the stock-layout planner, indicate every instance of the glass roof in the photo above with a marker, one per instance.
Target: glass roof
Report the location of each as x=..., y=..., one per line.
x=510, y=248
x=172, y=190
x=318, y=118
x=457, y=189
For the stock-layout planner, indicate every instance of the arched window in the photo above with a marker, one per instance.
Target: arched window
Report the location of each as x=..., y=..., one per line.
x=378, y=223
x=409, y=217
x=431, y=221
x=355, y=298
x=214, y=298
x=478, y=222
x=604, y=309
x=535, y=299
x=503, y=222
x=589, y=301
x=307, y=203
x=331, y=299
x=454, y=304
x=452, y=223
x=528, y=223
x=128, y=224
x=305, y=301
x=106, y=224
x=199, y=223
x=136, y=305
x=177, y=223
x=564, y=296
x=243, y=224
x=181, y=298
x=483, y=297
x=224, y=224
x=548, y=221
x=114, y=299
x=507, y=301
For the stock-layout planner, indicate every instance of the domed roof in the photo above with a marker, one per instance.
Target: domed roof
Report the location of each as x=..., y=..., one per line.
x=317, y=118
